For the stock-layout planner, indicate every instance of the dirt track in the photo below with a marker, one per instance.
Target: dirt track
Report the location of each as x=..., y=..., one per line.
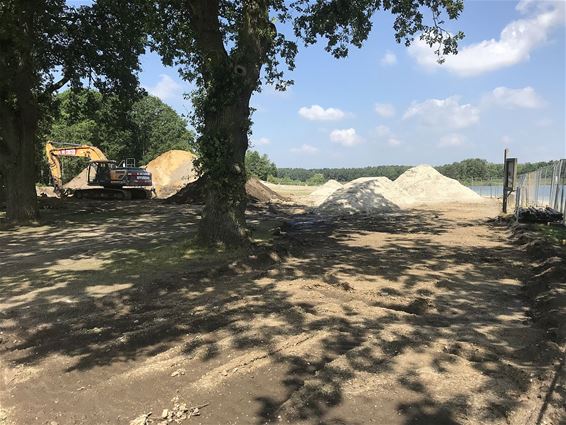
x=414, y=318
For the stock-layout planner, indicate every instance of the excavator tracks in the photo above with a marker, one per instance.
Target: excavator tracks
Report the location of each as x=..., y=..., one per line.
x=112, y=194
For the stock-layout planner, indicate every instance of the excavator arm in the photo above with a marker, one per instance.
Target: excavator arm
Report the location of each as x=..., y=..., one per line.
x=54, y=153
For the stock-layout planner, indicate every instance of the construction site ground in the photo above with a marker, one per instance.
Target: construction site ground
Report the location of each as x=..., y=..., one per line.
x=110, y=313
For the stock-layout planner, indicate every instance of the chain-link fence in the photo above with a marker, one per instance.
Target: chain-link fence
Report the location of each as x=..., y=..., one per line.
x=545, y=187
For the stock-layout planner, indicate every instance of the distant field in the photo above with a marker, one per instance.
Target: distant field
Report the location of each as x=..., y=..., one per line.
x=292, y=191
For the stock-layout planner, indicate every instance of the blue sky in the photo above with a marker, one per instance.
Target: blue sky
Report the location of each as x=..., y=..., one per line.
x=388, y=104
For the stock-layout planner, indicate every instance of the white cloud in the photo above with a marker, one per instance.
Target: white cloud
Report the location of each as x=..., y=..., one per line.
x=392, y=141
x=451, y=140
x=389, y=58
x=305, y=149
x=261, y=141
x=382, y=131
x=384, y=110
x=515, y=44
x=443, y=113
x=318, y=113
x=345, y=137
x=515, y=98
x=166, y=88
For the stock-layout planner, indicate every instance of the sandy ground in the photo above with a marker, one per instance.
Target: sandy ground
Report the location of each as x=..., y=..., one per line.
x=298, y=193
x=107, y=313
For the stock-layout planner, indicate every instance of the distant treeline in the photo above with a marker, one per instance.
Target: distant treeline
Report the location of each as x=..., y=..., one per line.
x=466, y=170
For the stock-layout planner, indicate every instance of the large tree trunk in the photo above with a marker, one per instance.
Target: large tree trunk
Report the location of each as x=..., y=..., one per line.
x=224, y=113
x=18, y=127
x=19, y=118
x=226, y=141
x=20, y=182
x=18, y=160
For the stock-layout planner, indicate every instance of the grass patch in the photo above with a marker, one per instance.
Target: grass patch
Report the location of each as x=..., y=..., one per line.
x=171, y=256
x=262, y=231
x=556, y=234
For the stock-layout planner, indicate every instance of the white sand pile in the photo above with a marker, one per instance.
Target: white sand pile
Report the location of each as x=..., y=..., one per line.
x=423, y=184
x=320, y=195
x=171, y=171
x=365, y=195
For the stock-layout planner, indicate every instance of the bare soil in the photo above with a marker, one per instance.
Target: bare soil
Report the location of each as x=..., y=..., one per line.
x=108, y=313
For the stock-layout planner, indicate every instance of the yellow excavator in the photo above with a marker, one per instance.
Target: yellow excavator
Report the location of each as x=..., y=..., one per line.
x=109, y=179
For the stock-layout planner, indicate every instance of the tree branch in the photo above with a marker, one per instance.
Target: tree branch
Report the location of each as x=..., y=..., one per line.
x=255, y=38
x=203, y=15
x=51, y=88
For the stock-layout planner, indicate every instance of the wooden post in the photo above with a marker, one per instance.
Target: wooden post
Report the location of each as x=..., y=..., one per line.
x=505, y=193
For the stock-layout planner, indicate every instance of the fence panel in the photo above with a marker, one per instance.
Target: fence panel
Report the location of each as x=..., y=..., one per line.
x=545, y=187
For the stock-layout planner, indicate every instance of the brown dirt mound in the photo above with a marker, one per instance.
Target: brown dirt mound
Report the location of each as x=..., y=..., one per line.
x=194, y=192
x=259, y=192
x=80, y=181
x=172, y=171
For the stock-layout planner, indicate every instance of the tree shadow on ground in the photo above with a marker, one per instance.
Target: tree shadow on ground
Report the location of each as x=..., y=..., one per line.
x=315, y=297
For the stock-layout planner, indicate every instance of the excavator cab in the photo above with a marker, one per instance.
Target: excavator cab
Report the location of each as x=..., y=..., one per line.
x=99, y=173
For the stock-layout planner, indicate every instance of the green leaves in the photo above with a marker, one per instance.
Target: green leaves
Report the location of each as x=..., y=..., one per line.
x=158, y=128
x=343, y=23
x=259, y=166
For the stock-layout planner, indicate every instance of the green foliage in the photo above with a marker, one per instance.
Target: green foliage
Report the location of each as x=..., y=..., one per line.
x=178, y=30
x=555, y=234
x=285, y=180
x=342, y=174
x=259, y=165
x=158, y=128
x=316, y=179
x=473, y=168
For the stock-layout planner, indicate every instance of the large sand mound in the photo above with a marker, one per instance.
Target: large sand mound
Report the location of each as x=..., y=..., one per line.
x=171, y=171
x=424, y=184
x=322, y=193
x=418, y=185
x=365, y=195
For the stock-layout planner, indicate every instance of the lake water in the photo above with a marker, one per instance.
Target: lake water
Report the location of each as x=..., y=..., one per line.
x=497, y=192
